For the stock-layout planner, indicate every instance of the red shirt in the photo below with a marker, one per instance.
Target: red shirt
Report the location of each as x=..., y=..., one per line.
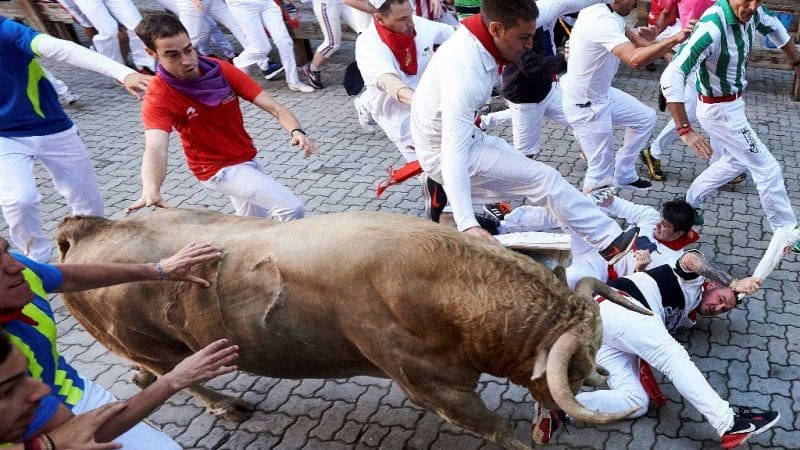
x=212, y=137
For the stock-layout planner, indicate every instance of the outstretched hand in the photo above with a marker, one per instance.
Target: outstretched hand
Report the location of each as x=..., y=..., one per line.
x=178, y=267
x=210, y=362
x=78, y=432
x=746, y=285
x=305, y=143
x=698, y=144
x=136, y=83
x=148, y=200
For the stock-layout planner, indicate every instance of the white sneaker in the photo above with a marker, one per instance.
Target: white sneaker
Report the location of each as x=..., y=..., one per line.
x=301, y=87
x=364, y=117
x=70, y=98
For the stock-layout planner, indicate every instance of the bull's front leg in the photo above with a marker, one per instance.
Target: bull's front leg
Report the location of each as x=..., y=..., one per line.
x=465, y=409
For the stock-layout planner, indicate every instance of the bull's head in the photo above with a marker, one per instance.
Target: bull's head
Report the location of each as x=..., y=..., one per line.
x=570, y=363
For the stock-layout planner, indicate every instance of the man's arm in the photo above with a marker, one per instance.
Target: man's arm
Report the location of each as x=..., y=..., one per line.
x=637, y=57
x=361, y=5
x=673, y=84
x=395, y=87
x=793, y=56
x=210, y=362
x=644, y=216
x=288, y=121
x=76, y=55
x=154, y=170
x=694, y=261
x=551, y=10
x=80, y=277
x=69, y=431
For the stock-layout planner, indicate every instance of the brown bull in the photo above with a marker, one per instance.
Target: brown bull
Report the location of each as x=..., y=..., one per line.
x=348, y=294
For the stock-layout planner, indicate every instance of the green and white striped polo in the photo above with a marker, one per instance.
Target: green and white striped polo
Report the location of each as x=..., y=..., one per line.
x=718, y=49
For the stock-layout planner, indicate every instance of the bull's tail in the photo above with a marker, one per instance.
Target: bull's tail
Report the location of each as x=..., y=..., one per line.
x=75, y=228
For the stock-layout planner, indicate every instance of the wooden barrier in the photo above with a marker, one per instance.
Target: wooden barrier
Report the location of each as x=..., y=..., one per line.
x=45, y=16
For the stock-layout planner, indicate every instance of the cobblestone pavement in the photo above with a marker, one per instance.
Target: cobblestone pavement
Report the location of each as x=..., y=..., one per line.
x=750, y=355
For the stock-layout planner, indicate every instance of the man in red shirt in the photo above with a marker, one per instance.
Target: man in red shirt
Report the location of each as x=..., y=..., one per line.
x=199, y=98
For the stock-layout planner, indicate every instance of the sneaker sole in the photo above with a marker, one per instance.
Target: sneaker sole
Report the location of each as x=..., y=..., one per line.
x=624, y=252
x=272, y=75
x=426, y=196
x=768, y=426
x=633, y=188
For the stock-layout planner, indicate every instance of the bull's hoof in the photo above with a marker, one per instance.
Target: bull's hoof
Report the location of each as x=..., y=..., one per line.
x=142, y=378
x=232, y=410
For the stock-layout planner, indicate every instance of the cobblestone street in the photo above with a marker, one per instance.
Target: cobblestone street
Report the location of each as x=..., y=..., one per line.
x=750, y=355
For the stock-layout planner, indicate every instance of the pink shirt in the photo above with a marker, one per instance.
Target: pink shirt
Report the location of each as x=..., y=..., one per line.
x=688, y=9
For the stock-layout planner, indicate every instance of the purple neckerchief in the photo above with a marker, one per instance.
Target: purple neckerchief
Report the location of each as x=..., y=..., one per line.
x=210, y=88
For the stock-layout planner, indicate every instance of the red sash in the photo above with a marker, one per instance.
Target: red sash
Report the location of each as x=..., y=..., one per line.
x=403, y=47
x=475, y=25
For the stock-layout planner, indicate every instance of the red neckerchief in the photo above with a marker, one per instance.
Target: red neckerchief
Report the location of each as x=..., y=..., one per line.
x=475, y=25
x=9, y=315
x=690, y=237
x=403, y=47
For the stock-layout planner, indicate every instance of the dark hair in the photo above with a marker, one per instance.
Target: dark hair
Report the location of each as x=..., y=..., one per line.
x=158, y=25
x=386, y=7
x=5, y=346
x=509, y=12
x=679, y=213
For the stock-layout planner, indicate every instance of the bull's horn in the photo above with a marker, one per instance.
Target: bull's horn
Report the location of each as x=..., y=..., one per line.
x=557, y=380
x=588, y=286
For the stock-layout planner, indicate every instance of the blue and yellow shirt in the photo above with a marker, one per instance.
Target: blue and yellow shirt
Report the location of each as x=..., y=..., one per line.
x=28, y=103
x=38, y=344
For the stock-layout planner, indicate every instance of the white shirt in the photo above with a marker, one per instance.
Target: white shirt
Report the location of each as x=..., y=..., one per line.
x=551, y=10
x=374, y=59
x=457, y=82
x=591, y=66
x=646, y=218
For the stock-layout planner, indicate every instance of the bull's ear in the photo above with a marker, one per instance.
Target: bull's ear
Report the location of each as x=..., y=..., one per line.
x=540, y=365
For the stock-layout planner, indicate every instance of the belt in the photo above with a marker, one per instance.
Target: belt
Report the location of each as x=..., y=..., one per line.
x=723, y=99
x=468, y=9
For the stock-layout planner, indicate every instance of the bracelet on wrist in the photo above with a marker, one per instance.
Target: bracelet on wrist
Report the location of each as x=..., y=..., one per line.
x=47, y=442
x=160, y=270
x=298, y=130
x=684, y=129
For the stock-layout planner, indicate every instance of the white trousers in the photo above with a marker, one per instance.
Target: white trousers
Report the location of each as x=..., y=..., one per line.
x=197, y=22
x=253, y=16
x=497, y=171
x=140, y=437
x=330, y=17
x=628, y=336
x=669, y=134
x=60, y=87
x=593, y=127
x=105, y=15
x=526, y=119
x=742, y=151
x=70, y=166
x=254, y=193
x=208, y=33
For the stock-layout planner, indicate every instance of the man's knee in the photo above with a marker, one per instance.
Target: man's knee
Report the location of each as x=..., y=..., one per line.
x=639, y=400
x=20, y=200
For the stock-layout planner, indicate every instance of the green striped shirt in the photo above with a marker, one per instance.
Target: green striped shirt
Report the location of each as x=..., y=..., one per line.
x=718, y=49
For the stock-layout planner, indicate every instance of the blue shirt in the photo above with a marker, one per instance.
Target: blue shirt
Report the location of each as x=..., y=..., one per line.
x=28, y=102
x=38, y=344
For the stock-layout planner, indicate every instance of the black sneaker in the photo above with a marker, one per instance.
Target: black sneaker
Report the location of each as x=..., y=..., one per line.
x=313, y=76
x=273, y=70
x=434, y=197
x=746, y=423
x=498, y=210
x=488, y=223
x=639, y=185
x=545, y=423
x=621, y=245
x=652, y=164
